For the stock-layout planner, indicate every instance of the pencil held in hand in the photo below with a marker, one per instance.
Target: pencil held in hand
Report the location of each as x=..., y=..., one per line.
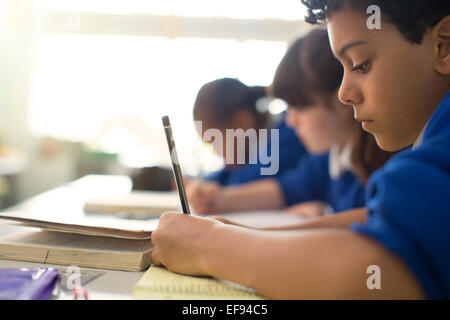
x=175, y=165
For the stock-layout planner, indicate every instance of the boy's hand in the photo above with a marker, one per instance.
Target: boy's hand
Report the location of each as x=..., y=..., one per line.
x=179, y=242
x=312, y=209
x=204, y=197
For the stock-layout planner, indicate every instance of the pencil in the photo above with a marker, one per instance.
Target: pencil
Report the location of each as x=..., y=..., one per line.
x=176, y=165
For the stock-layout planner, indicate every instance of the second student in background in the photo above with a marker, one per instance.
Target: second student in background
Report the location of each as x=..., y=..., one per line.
x=344, y=155
x=227, y=103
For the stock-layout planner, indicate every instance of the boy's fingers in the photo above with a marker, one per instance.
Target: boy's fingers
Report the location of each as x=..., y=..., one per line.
x=154, y=259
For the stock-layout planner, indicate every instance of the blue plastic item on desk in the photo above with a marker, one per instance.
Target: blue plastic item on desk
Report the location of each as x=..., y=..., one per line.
x=27, y=284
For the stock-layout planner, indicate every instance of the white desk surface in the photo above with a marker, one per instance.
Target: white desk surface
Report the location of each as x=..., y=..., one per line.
x=119, y=284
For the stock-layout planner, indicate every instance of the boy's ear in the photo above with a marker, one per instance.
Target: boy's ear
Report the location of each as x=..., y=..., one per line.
x=441, y=44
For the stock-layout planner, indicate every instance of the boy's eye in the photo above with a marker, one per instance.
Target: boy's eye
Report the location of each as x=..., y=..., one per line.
x=362, y=67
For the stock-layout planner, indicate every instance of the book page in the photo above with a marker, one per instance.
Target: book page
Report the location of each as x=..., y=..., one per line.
x=52, y=239
x=263, y=218
x=161, y=284
x=75, y=249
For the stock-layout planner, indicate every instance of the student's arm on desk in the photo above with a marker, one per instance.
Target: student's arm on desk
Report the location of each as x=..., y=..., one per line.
x=325, y=263
x=210, y=197
x=338, y=220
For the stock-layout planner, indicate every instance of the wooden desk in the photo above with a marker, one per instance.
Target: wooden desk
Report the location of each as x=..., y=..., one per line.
x=70, y=199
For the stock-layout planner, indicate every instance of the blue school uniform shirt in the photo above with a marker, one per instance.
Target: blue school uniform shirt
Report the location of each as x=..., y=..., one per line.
x=409, y=206
x=311, y=181
x=290, y=153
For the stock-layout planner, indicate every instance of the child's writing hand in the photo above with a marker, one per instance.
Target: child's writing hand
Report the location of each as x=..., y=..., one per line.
x=180, y=242
x=204, y=197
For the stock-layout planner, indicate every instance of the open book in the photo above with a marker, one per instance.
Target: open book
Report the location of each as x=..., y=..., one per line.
x=85, y=225
x=75, y=249
x=71, y=236
x=161, y=284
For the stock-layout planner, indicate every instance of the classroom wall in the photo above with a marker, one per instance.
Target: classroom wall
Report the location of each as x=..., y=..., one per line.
x=16, y=36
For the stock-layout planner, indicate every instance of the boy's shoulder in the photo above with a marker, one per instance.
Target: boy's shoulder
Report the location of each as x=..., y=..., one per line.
x=430, y=159
x=408, y=206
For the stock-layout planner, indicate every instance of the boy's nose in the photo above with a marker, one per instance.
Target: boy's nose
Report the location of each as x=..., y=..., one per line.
x=349, y=93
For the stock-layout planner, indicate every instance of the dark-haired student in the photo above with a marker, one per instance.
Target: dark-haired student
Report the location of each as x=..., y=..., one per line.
x=342, y=155
x=397, y=79
x=230, y=104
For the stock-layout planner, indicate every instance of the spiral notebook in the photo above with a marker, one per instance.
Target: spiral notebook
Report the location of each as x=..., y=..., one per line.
x=161, y=284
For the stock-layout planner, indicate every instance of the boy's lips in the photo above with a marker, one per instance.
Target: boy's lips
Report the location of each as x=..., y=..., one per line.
x=366, y=124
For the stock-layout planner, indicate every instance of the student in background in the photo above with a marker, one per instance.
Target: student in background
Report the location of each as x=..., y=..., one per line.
x=343, y=155
x=229, y=104
x=397, y=78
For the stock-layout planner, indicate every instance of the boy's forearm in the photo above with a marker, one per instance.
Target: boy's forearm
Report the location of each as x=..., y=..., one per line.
x=310, y=264
x=259, y=195
x=338, y=220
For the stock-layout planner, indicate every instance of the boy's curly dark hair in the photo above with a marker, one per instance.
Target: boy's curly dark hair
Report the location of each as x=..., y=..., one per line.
x=411, y=17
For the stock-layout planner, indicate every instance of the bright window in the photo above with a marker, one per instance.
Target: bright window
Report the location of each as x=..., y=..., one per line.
x=110, y=91
x=242, y=9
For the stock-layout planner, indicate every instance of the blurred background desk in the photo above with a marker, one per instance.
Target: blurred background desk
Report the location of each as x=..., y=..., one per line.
x=12, y=163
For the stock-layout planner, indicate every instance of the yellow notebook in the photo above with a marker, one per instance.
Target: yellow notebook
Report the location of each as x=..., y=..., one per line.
x=161, y=284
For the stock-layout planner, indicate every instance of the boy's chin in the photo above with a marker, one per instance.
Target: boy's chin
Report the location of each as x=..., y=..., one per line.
x=390, y=145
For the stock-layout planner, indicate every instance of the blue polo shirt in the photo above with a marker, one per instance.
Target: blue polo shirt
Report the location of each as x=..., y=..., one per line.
x=311, y=181
x=290, y=153
x=409, y=206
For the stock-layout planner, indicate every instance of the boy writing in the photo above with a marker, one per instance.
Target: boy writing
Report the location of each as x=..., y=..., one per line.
x=397, y=80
